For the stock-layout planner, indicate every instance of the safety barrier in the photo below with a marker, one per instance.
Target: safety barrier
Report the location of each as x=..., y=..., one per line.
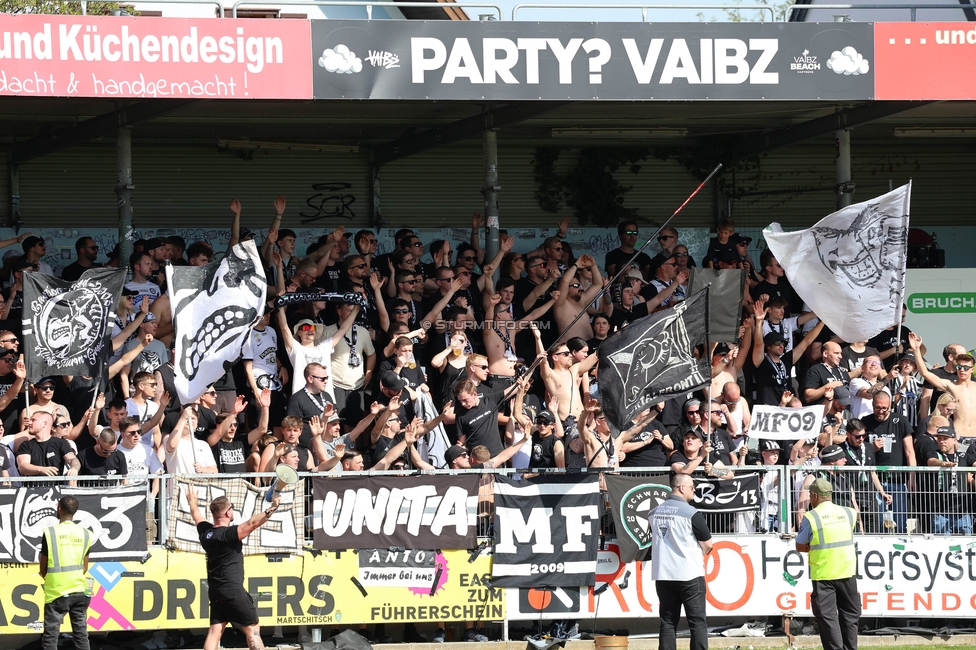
x=762, y=8
x=913, y=8
x=369, y=5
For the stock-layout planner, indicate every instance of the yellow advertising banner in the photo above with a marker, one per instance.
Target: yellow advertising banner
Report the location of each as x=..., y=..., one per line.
x=169, y=590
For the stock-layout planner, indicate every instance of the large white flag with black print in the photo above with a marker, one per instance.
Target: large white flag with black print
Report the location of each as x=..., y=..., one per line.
x=214, y=308
x=850, y=267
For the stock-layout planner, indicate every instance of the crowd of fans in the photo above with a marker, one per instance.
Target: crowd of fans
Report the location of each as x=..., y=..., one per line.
x=434, y=367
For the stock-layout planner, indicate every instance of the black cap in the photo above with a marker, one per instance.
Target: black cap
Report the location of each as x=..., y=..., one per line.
x=728, y=257
x=453, y=453
x=948, y=432
x=246, y=233
x=722, y=348
x=129, y=292
x=152, y=244
x=6, y=352
x=773, y=338
x=31, y=242
x=546, y=415
x=908, y=356
x=842, y=395
x=392, y=381
x=831, y=453
x=46, y=380
x=769, y=445
x=740, y=239
x=24, y=263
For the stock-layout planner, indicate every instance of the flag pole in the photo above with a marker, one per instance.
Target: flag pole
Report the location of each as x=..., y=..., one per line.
x=624, y=267
x=904, y=273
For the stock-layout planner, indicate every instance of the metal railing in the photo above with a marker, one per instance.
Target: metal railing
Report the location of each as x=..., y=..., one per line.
x=912, y=8
x=220, y=7
x=924, y=499
x=644, y=7
x=361, y=3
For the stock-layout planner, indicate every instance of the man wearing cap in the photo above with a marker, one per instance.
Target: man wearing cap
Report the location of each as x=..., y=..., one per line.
x=773, y=365
x=951, y=495
x=894, y=446
x=63, y=563
x=827, y=534
x=34, y=249
x=679, y=535
x=663, y=279
x=547, y=446
x=905, y=389
x=87, y=251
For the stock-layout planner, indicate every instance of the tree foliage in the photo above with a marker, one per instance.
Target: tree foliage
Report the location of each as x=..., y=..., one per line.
x=61, y=7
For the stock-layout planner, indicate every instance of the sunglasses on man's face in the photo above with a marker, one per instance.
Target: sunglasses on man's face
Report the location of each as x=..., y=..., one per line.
x=358, y=266
x=401, y=311
x=662, y=237
x=466, y=258
x=631, y=232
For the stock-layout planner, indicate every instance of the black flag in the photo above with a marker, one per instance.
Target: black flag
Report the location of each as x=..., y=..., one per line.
x=631, y=498
x=724, y=300
x=651, y=360
x=67, y=326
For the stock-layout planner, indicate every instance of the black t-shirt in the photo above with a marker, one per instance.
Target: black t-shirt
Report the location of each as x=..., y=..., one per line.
x=620, y=318
x=820, y=375
x=895, y=429
x=770, y=380
x=225, y=558
x=970, y=460
x=479, y=425
x=781, y=289
x=722, y=446
x=653, y=453
x=384, y=445
x=886, y=340
x=618, y=257
x=926, y=447
x=74, y=271
x=9, y=415
x=841, y=484
x=230, y=456
x=715, y=250
x=94, y=465
x=862, y=456
x=851, y=359
x=49, y=453
x=543, y=452
x=304, y=406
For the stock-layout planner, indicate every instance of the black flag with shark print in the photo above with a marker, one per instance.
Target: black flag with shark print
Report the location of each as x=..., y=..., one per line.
x=653, y=359
x=68, y=325
x=214, y=308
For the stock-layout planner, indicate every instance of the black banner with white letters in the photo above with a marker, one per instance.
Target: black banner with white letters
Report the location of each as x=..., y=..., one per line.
x=403, y=512
x=739, y=494
x=115, y=515
x=547, y=531
x=470, y=60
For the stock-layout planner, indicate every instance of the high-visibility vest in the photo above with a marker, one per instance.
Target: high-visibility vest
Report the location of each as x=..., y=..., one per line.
x=832, y=553
x=67, y=545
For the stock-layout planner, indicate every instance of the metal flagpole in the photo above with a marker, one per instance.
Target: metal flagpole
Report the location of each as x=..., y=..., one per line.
x=624, y=267
x=904, y=272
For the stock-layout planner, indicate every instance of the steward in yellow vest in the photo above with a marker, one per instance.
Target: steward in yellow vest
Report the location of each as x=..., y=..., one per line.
x=63, y=564
x=827, y=534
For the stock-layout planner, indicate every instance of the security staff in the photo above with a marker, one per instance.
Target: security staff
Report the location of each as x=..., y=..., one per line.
x=63, y=564
x=827, y=533
x=679, y=537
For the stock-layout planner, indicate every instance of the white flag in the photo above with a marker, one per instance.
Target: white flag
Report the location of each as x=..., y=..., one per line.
x=213, y=308
x=850, y=267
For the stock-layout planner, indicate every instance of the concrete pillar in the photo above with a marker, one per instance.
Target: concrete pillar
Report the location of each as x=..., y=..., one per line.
x=123, y=190
x=491, y=193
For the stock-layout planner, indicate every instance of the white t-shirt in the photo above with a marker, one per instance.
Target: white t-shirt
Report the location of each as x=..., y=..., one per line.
x=860, y=406
x=140, y=460
x=144, y=413
x=182, y=460
x=300, y=356
x=786, y=327
x=145, y=289
x=261, y=348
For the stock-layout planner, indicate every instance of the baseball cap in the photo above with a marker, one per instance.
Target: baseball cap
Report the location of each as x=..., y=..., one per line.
x=634, y=273
x=30, y=242
x=821, y=487
x=773, y=338
x=129, y=292
x=304, y=321
x=392, y=381
x=46, y=380
x=5, y=352
x=546, y=415
x=831, y=453
x=740, y=239
x=769, y=445
x=908, y=356
x=453, y=453
x=334, y=418
x=153, y=243
x=24, y=263
x=150, y=317
x=246, y=233
x=842, y=395
x=722, y=348
x=948, y=432
x=728, y=257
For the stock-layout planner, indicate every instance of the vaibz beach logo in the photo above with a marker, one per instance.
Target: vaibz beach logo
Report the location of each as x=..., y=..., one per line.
x=836, y=60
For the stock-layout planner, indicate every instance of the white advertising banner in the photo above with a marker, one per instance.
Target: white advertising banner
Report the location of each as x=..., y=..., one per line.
x=941, y=308
x=766, y=576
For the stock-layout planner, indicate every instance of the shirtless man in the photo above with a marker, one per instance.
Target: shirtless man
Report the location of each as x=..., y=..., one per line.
x=499, y=338
x=963, y=389
x=573, y=299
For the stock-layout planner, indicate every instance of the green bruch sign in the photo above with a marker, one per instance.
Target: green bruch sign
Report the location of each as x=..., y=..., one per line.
x=942, y=303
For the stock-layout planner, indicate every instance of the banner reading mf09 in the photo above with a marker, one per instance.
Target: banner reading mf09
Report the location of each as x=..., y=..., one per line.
x=371, y=586
x=578, y=61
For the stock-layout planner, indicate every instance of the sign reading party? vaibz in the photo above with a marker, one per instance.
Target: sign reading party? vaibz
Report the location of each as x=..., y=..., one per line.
x=585, y=61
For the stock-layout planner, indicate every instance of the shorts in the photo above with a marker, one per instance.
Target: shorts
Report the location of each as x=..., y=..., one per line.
x=233, y=607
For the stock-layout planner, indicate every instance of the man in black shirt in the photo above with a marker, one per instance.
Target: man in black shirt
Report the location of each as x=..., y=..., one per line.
x=477, y=417
x=311, y=400
x=824, y=375
x=893, y=443
x=229, y=601
x=12, y=375
x=775, y=285
x=773, y=365
x=866, y=484
x=231, y=445
x=87, y=251
x=44, y=455
x=104, y=458
x=627, y=233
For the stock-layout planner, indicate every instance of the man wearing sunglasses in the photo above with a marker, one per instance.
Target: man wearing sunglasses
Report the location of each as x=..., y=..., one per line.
x=104, y=459
x=627, y=233
x=867, y=486
x=44, y=454
x=573, y=298
x=962, y=387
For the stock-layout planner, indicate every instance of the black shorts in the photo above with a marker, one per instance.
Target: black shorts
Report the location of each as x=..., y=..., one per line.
x=233, y=607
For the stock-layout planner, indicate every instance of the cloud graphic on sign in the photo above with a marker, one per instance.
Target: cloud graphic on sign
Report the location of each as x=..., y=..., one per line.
x=848, y=62
x=340, y=60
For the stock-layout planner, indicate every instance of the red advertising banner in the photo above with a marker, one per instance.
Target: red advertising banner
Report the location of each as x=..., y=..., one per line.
x=925, y=60
x=208, y=58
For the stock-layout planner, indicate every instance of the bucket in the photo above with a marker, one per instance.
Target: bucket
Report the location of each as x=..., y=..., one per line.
x=610, y=642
